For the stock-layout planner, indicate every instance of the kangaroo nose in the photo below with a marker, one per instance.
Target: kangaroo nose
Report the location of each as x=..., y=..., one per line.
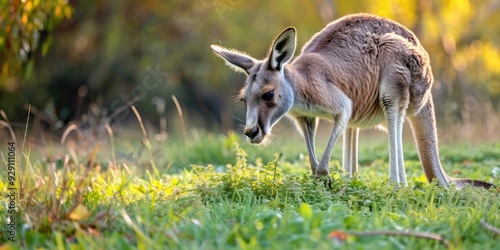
x=252, y=132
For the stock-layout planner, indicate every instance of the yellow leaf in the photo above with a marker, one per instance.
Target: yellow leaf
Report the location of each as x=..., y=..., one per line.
x=79, y=213
x=29, y=6
x=24, y=18
x=67, y=11
x=58, y=11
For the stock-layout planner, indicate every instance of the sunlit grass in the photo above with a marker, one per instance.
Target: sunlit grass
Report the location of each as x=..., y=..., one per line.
x=209, y=193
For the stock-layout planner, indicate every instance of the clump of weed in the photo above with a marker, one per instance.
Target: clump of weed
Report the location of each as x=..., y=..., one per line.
x=262, y=182
x=266, y=184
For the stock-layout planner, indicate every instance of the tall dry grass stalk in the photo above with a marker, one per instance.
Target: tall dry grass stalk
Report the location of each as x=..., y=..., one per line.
x=146, y=141
x=181, y=116
x=22, y=171
x=112, y=141
x=7, y=125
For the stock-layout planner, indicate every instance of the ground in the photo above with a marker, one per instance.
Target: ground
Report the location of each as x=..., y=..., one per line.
x=217, y=192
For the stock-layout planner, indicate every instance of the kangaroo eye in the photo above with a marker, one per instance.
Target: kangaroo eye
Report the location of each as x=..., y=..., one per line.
x=243, y=100
x=268, y=96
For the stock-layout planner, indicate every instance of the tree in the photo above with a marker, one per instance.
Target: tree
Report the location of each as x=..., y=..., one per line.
x=25, y=35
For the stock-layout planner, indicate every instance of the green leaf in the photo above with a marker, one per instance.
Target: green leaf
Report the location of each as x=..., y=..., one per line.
x=28, y=71
x=305, y=211
x=46, y=45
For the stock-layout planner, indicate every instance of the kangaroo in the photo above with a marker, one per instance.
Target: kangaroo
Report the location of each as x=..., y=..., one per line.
x=359, y=71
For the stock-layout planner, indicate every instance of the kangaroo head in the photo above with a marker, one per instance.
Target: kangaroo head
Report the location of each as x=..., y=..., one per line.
x=267, y=94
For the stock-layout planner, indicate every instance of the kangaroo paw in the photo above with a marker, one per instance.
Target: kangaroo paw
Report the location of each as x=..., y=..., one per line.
x=325, y=177
x=329, y=182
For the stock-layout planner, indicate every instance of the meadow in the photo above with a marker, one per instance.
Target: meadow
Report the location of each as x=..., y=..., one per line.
x=84, y=173
x=214, y=191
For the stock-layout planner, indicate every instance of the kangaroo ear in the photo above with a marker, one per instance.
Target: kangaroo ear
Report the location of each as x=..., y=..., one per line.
x=282, y=49
x=234, y=59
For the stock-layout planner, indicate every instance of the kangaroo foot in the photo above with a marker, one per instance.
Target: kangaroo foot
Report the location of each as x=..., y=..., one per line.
x=324, y=175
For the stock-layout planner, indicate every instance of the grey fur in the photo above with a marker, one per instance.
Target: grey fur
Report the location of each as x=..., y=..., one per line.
x=359, y=71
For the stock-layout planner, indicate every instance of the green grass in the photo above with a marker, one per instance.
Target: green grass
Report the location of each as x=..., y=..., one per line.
x=210, y=194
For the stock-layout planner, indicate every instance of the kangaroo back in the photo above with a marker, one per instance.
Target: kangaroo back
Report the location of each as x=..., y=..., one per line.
x=334, y=35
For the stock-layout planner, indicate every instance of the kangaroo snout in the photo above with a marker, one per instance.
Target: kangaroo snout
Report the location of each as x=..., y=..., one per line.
x=255, y=134
x=252, y=132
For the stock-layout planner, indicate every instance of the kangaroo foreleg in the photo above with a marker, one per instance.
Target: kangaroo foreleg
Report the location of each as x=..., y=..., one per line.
x=340, y=124
x=308, y=125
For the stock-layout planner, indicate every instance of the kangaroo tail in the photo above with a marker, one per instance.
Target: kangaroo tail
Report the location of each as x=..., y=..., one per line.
x=423, y=124
x=460, y=183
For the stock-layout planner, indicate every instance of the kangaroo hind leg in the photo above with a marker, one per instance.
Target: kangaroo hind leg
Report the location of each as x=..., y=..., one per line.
x=395, y=119
x=395, y=104
x=350, y=151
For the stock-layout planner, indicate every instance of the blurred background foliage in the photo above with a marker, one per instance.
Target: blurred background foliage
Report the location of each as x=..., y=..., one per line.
x=83, y=61
x=26, y=26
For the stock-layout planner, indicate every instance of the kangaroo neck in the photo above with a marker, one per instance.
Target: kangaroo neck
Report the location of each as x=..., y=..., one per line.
x=296, y=81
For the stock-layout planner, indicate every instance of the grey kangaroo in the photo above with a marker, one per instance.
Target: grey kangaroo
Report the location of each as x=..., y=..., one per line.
x=359, y=71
